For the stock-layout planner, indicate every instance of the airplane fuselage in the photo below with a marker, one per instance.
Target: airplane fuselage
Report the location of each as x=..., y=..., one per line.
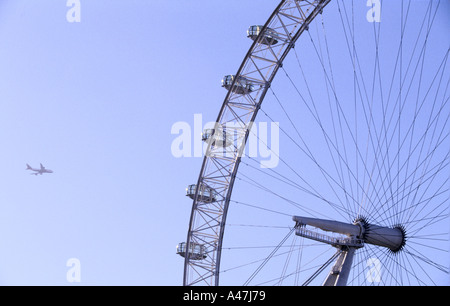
x=39, y=171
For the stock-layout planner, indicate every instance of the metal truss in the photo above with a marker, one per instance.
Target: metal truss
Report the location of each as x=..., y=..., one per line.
x=246, y=92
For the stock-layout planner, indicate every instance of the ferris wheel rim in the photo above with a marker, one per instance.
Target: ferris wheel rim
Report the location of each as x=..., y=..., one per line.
x=318, y=7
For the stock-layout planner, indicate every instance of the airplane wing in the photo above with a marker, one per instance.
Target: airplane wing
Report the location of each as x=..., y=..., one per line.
x=42, y=167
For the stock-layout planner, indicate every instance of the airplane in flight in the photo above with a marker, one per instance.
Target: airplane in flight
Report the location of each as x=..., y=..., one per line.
x=39, y=171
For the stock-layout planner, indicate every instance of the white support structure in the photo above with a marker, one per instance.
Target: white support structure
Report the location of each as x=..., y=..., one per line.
x=336, y=242
x=331, y=226
x=338, y=275
x=355, y=236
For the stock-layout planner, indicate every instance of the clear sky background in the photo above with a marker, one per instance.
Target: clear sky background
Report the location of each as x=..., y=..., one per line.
x=95, y=102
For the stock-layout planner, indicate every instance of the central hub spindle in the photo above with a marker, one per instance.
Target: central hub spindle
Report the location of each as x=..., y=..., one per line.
x=391, y=238
x=356, y=235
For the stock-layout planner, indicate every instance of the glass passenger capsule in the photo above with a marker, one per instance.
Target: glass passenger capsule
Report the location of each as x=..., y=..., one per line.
x=196, y=251
x=270, y=36
x=242, y=85
x=219, y=139
x=205, y=194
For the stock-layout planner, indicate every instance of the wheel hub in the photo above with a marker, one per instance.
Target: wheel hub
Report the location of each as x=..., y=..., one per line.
x=358, y=233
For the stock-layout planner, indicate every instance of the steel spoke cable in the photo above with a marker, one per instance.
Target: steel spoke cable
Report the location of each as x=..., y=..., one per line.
x=423, y=137
x=422, y=203
x=360, y=262
x=260, y=259
x=306, y=209
x=419, y=262
x=299, y=262
x=432, y=136
x=387, y=128
x=322, y=268
x=428, y=246
x=296, y=273
x=350, y=132
x=294, y=184
x=306, y=149
x=316, y=116
x=368, y=115
x=326, y=137
x=334, y=125
x=422, y=162
x=416, y=255
x=283, y=275
x=430, y=178
x=430, y=220
x=416, y=111
x=419, y=202
x=429, y=236
x=356, y=85
x=437, y=193
x=323, y=171
x=252, y=276
x=309, y=154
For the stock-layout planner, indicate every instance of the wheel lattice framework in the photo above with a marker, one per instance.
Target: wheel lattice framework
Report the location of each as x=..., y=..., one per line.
x=207, y=223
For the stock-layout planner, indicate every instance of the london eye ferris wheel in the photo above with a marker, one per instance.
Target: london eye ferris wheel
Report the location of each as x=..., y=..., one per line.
x=360, y=192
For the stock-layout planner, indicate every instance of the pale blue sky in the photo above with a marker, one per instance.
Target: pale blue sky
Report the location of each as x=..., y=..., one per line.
x=95, y=102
